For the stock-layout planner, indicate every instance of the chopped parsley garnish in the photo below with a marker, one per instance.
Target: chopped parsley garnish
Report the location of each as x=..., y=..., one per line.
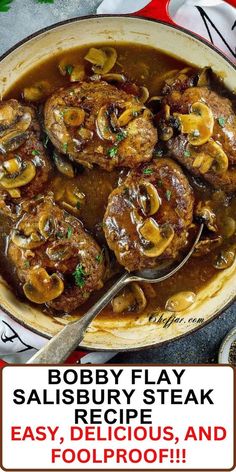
x=168, y=195
x=221, y=121
x=35, y=153
x=148, y=171
x=26, y=264
x=112, y=152
x=121, y=136
x=69, y=232
x=187, y=153
x=79, y=276
x=69, y=69
x=78, y=205
x=65, y=147
x=99, y=257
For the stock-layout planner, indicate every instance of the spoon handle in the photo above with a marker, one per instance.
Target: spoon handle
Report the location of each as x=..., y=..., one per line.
x=57, y=350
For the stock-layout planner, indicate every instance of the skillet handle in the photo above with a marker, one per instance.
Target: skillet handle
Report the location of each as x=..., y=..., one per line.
x=57, y=350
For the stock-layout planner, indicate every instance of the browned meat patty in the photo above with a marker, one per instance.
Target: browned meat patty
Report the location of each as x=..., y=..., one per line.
x=96, y=123
x=48, y=242
x=215, y=159
x=148, y=216
x=24, y=165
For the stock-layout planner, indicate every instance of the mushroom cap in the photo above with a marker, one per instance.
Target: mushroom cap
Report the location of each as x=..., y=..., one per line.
x=24, y=164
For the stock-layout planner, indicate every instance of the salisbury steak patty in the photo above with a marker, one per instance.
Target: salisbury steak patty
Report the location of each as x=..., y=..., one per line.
x=148, y=216
x=96, y=123
x=24, y=165
x=57, y=262
x=206, y=144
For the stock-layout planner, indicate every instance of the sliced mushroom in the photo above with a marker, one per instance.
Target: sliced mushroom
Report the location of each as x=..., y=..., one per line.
x=60, y=251
x=139, y=296
x=63, y=165
x=46, y=226
x=74, y=196
x=136, y=218
x=225, y=259
x=220, y=159
x=85, y=134
x=37, y=92
x=180, y=301
x=207, y=215
x=23, y=177
x=73, y=116
x=123, y=302
x=149, y=199
x=207, y=245
x=166, y=133
x=69, y=208
x=8, y=115
x=14, y=122
x=198, y=124
x=228, y=226
x=103, y=125
x=14, y=193
x=212, y=157
x=158, y=237
x=42, y=287
x=96, y=57
x=103, y=59
x=147, y=114
x=26, y=241
x=114, y=78
x=204, y=77
x=155, y=103
x=132, y=298
x=12, y=166
x=203, y=162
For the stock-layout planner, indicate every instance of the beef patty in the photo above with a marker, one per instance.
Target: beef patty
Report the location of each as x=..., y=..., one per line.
x=215, y=159
x=48, y=242
x=148, y=216
x=24, y=164
x=96, y=123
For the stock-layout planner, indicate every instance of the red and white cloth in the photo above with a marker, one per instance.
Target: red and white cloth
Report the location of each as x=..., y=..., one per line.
x=215, y=20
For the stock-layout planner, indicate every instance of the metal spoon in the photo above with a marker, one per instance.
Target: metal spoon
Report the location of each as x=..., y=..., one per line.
x=60, y=346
